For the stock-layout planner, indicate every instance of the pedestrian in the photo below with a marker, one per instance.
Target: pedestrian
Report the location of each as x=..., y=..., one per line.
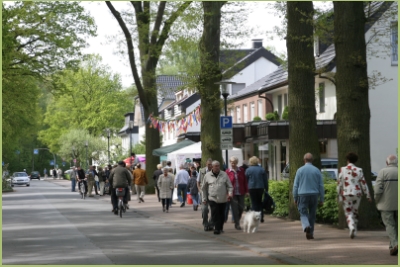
x=97, y=179
x=81, y=177
x=257, y=182
x=165, y=183
x=181, y=180
x=238, y=179
x=193, y=189
x=114, y=199
x=386, y=197
x=308, y=185
x=349, y=184
x=102, y=179
x=91, y=181
x=54, y=173
x=72, y=176
x=59, y=173
x=45, y=172
x=156, y=175
x=208, y=224
x=140, y=181
x=120, y=177
x=171, y=171
x=217, y=194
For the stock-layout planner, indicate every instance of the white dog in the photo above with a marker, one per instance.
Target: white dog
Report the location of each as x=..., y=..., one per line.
x=251, y=221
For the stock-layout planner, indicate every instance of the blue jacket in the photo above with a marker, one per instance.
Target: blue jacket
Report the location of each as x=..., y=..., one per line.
x=256, y=177
x=308, y=181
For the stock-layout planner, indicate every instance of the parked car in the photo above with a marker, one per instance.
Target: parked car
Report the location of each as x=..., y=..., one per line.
x=20, y=178
x=35, y=175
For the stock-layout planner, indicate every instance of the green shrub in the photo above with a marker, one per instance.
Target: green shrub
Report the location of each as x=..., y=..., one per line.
x=279, y=191
x=256, y=118
x=285, y=114
x=272, y=116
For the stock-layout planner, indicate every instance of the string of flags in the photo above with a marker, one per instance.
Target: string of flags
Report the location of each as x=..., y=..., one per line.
x=178, y=125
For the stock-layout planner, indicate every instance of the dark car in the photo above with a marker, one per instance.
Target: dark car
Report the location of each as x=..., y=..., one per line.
x=35, y=175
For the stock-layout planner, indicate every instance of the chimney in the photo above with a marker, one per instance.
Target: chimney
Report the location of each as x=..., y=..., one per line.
x=257, y=43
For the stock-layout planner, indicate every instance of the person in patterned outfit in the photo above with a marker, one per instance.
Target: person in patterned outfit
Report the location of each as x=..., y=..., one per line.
x=349, y=184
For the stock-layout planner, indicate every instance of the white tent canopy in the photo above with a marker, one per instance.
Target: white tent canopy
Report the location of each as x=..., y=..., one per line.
x=194, y=151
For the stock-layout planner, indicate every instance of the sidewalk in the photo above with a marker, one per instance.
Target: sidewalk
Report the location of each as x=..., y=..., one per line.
x=276, y=238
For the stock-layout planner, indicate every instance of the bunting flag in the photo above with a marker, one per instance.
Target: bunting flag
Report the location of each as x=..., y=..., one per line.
x=179, y=126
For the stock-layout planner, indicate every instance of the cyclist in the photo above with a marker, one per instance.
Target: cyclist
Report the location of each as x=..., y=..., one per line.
x=119, y=178
x=81, y=178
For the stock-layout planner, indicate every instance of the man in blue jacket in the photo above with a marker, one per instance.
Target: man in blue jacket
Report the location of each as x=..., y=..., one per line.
x=308, y=185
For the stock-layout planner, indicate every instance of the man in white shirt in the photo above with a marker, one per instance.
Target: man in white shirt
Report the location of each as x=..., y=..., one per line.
x=181, y=180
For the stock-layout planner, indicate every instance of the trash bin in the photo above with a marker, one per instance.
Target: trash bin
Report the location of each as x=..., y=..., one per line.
x=189, y=199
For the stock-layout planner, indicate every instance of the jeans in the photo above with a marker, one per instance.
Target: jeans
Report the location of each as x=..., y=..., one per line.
x=307, y=206
x=182, y=190
x=98, y=185
x=217, y=213
x=227, y=208
x=237, y=207
x=195, y=199
x=256, y=195
x=389, y=218
x=73, y=184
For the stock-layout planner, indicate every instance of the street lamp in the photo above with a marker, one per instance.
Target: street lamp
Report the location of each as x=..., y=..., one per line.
x=86, y=146
x=108, y=137
x=225, y=94
x=131, y=124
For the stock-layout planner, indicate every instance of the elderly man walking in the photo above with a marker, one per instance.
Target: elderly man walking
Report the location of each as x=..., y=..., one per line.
x=140, y=181
x=308, y=185
x=72, y=177
x=217, y=190
x=386, y=197
x=181, y=180
x=208, y=224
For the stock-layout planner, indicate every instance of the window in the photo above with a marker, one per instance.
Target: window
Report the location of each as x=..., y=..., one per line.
x=280, y=105
x=245, y=118
x=260, y=108
x=394, y=35
x=231, y=113
x=238, y=117
x=321, y=93
x=252, y=107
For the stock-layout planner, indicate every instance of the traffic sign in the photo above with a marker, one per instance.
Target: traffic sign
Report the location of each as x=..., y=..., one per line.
x=36, y=151
x=226, y=122
x=227, y=139
x=52, y=162
x=226, y=147
x=226, y=132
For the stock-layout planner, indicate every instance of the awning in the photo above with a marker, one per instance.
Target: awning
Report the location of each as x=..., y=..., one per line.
x=163, y=151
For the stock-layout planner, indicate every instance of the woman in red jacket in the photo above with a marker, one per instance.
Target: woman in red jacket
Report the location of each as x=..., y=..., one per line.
x=238, y=179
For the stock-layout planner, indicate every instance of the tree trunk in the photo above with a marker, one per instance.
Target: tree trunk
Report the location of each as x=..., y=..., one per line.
x=301, y=67
x=210, y=73
x=353, y=112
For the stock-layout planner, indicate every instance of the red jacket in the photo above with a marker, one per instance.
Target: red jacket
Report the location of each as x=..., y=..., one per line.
x=241, y=179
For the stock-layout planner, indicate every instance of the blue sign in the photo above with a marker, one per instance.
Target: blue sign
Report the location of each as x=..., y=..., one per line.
x=63, y=163
x=36, y=151
x=226, y=122
x=52, y=162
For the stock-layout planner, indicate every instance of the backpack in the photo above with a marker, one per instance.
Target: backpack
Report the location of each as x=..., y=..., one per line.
x=268, y=204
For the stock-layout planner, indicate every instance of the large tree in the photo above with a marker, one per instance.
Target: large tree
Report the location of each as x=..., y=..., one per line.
x=210, y=73
x=301, y=68
x=353, y=114
x=150, y=44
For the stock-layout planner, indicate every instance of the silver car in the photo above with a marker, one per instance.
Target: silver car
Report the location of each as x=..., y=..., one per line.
x=20, y=178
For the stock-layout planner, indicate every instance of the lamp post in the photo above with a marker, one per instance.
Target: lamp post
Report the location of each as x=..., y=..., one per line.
x=225, y=94
x=86, y=146
x=108, y=137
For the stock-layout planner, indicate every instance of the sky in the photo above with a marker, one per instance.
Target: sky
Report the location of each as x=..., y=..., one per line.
x=260, y=18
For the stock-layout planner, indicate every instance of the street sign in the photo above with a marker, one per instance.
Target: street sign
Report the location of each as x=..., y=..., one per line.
x=36, y=151
x=226, y=132
x=52, y=162
x=226, y=147
x=226, y=122
x=227, y=139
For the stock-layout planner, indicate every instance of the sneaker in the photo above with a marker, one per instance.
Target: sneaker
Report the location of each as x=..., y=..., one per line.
x=183, y=204
x=394, y=251
x=141, y=199
x=352, y=233
x=116, y=212
x=163, y=209
x=127, y=206
x=262, y=220
x=237, y=227
x=217, y=232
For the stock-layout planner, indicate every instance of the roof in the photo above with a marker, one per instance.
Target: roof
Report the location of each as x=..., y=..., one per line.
x=167, y=85
x=251, y=89
x=327, y=59
x=248, y=56
x=163, y=151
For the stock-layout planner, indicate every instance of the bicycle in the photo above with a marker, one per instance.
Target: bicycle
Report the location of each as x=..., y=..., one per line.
x=82, y=189
x=120, y=192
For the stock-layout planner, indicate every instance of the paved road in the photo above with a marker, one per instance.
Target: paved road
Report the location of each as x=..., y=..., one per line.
x=47, y=224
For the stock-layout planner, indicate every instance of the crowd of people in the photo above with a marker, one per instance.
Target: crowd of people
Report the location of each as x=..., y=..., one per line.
x=221, y=191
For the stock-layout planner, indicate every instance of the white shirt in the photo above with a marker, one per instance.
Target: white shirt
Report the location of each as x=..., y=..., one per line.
x=182, y=177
